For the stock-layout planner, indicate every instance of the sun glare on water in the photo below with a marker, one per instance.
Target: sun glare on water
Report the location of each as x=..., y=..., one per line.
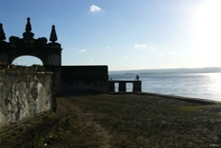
x=208, y=33
x=215, y=80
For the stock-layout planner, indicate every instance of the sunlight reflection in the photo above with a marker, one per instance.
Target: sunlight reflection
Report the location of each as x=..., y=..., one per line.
x=215, y=82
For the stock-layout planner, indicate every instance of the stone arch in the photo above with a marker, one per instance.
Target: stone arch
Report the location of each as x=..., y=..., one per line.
x=48, y=53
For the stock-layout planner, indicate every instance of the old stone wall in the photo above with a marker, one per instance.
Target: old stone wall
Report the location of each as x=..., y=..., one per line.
x=84, y=79
x=24, y=95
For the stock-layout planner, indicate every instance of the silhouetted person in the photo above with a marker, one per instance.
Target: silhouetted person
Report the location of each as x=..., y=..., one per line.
x=137, y=78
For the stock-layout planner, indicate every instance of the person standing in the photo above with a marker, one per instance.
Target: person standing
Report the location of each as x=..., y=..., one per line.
x=137, y=78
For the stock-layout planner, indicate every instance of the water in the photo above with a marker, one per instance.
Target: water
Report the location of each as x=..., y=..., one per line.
x=205, y=86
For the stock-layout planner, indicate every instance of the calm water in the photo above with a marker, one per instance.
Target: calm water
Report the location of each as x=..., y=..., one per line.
x=206, y=86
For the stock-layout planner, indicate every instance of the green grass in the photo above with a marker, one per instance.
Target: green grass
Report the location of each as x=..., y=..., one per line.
x=192, y=108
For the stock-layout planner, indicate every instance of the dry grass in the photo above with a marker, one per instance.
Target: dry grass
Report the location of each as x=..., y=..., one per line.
x=121, y=121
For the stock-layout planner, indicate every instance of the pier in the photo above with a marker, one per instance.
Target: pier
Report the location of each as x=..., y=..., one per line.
x=122, y=85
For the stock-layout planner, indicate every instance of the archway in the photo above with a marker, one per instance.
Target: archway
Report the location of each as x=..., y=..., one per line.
x=48, y=53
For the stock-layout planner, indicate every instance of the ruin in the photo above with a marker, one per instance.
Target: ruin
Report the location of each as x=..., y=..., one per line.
x=68, y=78
x=122, y=85
x=31, y=93
x=48, y=53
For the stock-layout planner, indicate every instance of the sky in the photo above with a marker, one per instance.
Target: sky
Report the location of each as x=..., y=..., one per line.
x=123, y=34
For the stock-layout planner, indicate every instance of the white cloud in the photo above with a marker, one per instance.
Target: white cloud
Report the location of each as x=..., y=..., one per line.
x=152, y=47
x=82, y=50
x=177, y=53
x=126, y=56
x=173, y=53
x=95, y=8
x=161, y=55
x=91, y=61
x=140, y=46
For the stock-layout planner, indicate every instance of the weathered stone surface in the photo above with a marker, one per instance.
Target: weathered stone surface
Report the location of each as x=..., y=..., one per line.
x=24, y=95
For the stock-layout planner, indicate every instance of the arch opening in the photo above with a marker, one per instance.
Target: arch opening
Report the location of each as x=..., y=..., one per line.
x=27, y=61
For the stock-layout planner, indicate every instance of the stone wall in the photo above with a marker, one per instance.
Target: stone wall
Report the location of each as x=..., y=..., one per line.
x=78, y=79
x=24, y=95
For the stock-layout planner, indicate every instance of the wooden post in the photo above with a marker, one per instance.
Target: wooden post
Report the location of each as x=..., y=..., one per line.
x=111, y=86
x=122, y=86
x=137, y=86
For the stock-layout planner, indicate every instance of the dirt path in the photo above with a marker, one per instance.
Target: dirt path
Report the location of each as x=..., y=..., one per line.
x=79, y=130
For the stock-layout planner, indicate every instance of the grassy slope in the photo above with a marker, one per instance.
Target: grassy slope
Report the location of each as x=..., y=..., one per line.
x=134, y=121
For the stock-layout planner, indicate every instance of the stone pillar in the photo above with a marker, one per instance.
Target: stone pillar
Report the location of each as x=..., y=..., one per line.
x=137, y=86
x=111, y=86
x=122, y=86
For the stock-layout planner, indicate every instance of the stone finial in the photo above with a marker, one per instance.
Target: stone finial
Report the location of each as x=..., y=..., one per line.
x=28, y=25
x=2, y=34
x=53, y=36
x=28, y=35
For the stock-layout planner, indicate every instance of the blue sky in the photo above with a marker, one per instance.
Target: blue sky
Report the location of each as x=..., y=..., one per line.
x=126, y=34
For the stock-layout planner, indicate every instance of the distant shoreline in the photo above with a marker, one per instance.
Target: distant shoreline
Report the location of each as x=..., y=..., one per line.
x=170, y=71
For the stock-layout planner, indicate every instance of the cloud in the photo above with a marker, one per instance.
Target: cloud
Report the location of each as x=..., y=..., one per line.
x=161, y=55
x=91, y=61
x=152, y=47
x=140, y=46
x=82, y=50
x=173, y=53
x=95, y=8
x=126, y=56
x=177, y=53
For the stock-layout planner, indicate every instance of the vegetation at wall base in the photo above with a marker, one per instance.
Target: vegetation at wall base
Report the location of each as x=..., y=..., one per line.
x=19, y=69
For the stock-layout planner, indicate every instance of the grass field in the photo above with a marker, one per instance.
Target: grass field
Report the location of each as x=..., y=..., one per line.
x=132, y=121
